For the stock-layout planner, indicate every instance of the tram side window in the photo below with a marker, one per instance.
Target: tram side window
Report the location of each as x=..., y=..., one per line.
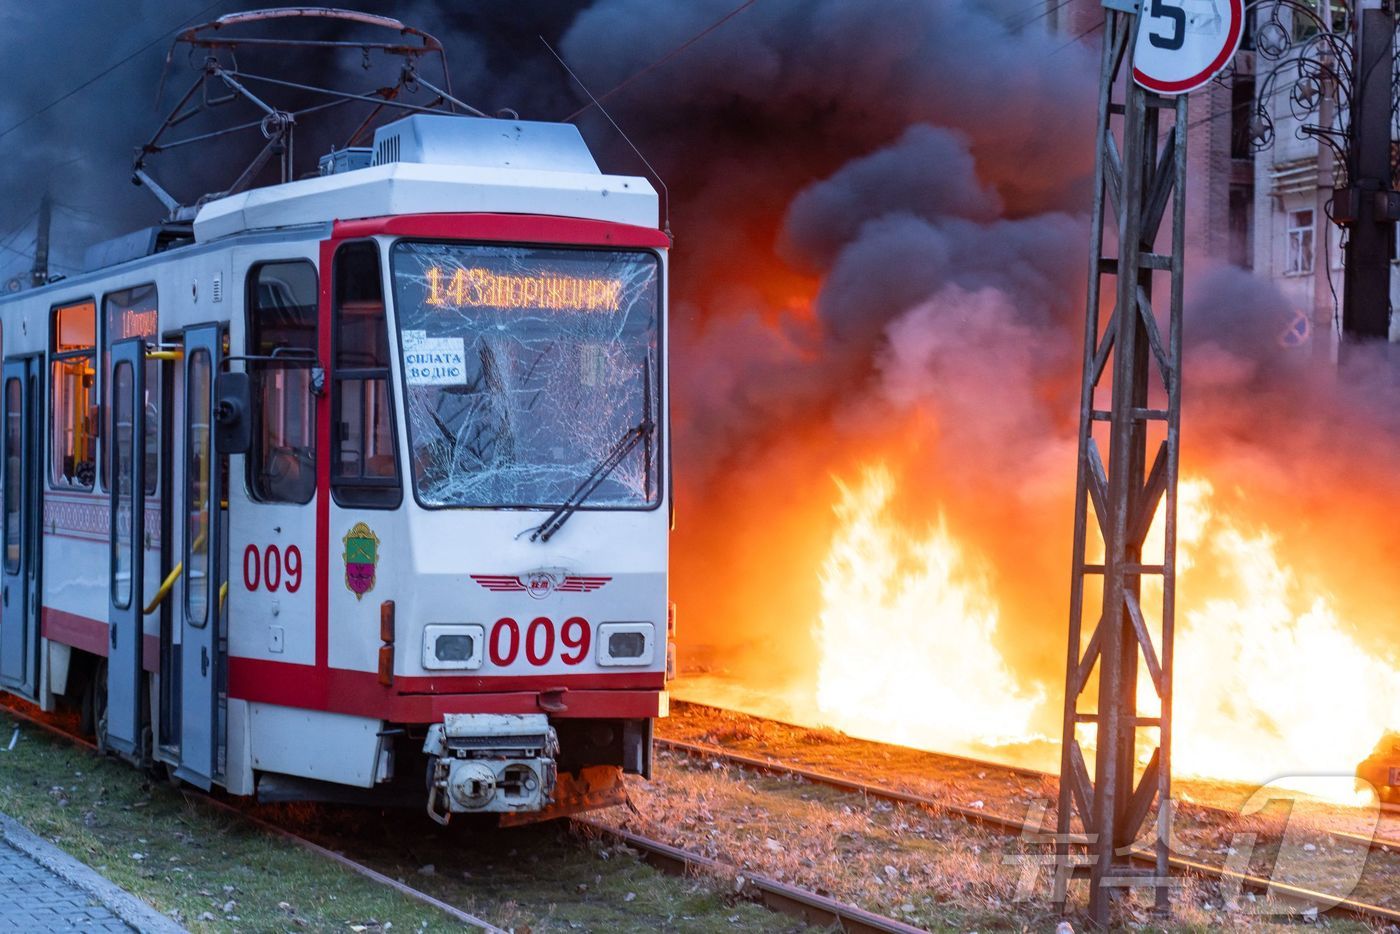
x=282, y=323
x=73, y=439
x=197, y=476
x=365, y=470
x=132, y=313
x=14, y=467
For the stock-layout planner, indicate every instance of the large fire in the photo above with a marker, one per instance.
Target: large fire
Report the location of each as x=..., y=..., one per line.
x=877, y=271
x=1270, y=681
x=908, y=626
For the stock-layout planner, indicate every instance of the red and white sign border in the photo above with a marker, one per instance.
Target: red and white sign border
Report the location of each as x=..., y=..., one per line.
x=1186, y=85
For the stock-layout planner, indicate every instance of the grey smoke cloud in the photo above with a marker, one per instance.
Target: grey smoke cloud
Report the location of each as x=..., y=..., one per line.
x=899, y=179
x=880, y=217
x=81, y=149
x=897, y=261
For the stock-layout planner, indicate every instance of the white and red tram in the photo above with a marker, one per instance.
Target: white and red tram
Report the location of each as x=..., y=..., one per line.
x=365, y=482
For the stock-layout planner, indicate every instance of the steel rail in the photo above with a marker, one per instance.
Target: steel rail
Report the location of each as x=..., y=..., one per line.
x=1011, y=825
x=339, y=858
x=842, y=783
x=1020, y=771
x=361, y=868
x=806, y=906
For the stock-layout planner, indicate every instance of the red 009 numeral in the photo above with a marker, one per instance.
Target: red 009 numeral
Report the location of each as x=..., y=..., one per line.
x=538, y=639
x=273, y=568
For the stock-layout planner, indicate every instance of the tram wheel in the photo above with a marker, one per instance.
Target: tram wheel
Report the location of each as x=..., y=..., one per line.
x=95, y=705
x=87, y=714
x=162, y=773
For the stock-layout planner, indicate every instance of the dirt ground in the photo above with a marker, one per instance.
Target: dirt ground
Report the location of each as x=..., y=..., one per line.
x=938, y=871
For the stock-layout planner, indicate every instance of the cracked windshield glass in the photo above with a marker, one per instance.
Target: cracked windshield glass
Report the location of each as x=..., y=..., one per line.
x=529, y=374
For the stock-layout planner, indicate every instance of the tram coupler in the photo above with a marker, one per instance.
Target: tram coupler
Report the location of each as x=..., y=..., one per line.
x=490, y=763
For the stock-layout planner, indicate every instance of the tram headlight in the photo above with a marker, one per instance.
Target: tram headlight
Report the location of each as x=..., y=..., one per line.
x=454, y=648
x=626, y=644
x=453, y=645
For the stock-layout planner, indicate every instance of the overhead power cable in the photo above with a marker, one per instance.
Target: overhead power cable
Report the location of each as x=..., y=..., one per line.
x=20, y=253
x=663, y=59
x=744, y=6
x=10, y=236
x=1077, y=39
x=1048, y=11
x=108, y=70
x=7, y=242
x=1278, y=91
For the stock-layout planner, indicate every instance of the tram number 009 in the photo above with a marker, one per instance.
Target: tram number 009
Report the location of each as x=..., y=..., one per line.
x=537, y=641
x=272, y=568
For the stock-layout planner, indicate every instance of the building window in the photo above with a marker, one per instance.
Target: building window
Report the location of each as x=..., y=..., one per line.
x=1299, y=261
x=1309, y=22
x=73, y=439
x=132, y=313
x=1241, y=215
x=282, y=329
x=364, y=469
x=1242, y=109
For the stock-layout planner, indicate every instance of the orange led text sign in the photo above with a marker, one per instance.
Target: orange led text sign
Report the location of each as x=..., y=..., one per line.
x=138, y=323
x=481, y=288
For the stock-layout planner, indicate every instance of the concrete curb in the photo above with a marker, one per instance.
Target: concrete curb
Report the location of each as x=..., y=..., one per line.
x=120, y=902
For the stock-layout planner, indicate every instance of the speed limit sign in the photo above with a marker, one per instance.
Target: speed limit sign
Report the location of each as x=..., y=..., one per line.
x=1182, y=44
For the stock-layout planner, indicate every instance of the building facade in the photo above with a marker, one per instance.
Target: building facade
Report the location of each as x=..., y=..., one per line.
x=1221, y=174
x=1296, y=244
x=1260, y=187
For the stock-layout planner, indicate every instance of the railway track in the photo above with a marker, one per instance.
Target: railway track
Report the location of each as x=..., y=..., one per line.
x=1026, y=773
x=807, y=906
x=792, y=901
x=374, y=875
x=1016, y=826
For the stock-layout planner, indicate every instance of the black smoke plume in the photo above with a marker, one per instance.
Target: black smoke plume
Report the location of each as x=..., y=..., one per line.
x=881, y=225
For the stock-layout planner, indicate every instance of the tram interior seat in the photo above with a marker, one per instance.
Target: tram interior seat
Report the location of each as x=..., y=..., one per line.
x=290, y=475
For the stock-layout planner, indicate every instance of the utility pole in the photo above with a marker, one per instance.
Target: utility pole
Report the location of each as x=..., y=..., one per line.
x=1371, y=207
x=1324, y=302
x=1130, y=411
x=39, y=275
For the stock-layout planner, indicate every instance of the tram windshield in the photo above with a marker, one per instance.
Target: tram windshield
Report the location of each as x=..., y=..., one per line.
x=530, y=374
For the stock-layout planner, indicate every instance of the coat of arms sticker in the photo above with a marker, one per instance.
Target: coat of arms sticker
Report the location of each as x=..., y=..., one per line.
x=361, y=558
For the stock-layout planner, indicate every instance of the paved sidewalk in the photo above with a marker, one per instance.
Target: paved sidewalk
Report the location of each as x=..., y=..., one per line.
x=43, y=889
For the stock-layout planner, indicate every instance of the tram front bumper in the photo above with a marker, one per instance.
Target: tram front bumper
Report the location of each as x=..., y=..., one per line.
x=490, y=763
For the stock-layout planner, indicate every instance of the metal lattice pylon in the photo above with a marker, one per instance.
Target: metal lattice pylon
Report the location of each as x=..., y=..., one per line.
x=1132, y=396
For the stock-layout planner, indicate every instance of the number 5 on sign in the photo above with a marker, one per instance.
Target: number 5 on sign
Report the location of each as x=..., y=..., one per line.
x=1182, y=44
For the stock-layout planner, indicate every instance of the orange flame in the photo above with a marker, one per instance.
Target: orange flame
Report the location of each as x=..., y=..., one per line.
x=908, y=633
x=1269, y=681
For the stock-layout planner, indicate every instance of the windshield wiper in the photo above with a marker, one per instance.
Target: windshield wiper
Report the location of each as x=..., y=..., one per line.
x=642, y=431
x=634, y=436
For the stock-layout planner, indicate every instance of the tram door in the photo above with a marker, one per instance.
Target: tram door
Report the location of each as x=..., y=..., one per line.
x=125, y=699
x=19, y=570
x=201, y=511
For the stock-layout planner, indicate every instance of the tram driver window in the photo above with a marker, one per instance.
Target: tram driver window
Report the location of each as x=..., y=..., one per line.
x=282, y=324
x=364, y=471
x=73, y=440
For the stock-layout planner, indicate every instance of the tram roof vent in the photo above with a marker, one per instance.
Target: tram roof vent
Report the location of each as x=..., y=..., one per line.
x=485, y=142
x=135, y=245
x=345, y=160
